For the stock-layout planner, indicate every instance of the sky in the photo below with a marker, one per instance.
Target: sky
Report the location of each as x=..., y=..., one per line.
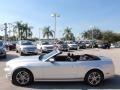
x=80, y=15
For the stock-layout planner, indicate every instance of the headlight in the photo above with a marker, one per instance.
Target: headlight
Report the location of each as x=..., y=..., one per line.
x=35, y=48
x=3, y=50
x=44, y=48
x=7, y=66
x=24, y=49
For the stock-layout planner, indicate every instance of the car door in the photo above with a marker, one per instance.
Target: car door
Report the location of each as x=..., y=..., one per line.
x=58, y=70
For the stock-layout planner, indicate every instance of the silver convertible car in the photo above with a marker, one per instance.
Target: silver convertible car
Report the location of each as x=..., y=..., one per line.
x=56, y=67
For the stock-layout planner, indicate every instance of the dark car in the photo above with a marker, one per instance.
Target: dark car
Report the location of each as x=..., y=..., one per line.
x=2, y=50
x=11, y=46
x=81, y=45
x=63, y=47
x=104, y=45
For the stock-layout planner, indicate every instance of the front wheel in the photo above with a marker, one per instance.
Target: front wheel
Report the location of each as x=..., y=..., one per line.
x=94, y=78
x=5, y=56
x=22, y=77
x=21, y=53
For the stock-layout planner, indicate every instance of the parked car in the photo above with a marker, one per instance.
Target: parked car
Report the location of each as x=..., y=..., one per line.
x=2, y=50
x=99, y=45
x=117, y=45
x=63, y=47
x=88, y=44
x=72, y=46
x=56, y=67
x=45, y=46
x=10, y=45
x=81, y=45
x=104, y=45
x=112, y=45
x=26, y=47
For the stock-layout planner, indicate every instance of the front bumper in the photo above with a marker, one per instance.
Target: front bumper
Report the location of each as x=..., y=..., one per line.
x=63, y=49
x=29, y=51
x=74, y=48
x=8, y=73
x=47, y=50
x=1, y=55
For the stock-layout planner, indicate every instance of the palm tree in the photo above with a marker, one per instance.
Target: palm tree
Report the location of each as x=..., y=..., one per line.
x=24, y=31
x=68, y=35
x=29, y=32
x=14, y=33
x=19, y=29
x=47, y=32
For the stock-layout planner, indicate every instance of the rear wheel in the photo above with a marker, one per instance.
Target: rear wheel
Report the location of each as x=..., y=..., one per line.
x=94, y=77
x=22, y=77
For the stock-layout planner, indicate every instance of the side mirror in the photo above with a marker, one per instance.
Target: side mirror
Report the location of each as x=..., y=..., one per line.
x=51, y=59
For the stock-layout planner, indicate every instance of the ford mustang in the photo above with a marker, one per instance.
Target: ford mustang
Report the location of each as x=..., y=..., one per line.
x=56, y=67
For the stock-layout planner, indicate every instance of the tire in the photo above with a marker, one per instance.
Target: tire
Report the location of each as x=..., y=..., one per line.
x=21, y=53
x=22, y=77
x=36, y=54
x=5, y=56
x=94, y=77
x=41, y=51
x=16, y=51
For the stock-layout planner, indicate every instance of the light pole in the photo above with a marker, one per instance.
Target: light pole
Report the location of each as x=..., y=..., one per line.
x=9, y=26
x=39, y=33
x=2, y=27
x=92, y=28
x=55, y=15
x=5, y=37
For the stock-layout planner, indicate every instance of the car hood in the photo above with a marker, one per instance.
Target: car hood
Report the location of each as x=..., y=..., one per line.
x=23, y=59
x=26, y=46
x=47, y=45
x=72, y=44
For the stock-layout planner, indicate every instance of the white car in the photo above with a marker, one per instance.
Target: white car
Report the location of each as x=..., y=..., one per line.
x=73, y=46
x=26, y=47
x=45, y=47
x=56, y=67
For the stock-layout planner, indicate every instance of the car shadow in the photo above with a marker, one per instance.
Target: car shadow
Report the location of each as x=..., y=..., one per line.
x=9, y=57
x=112, y=83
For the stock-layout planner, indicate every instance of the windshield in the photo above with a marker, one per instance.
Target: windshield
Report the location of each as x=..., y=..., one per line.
x=49, y=55
x=27, y=43
x=64, y=45
x=45, y=43
x=72, y=43
x=1, y=44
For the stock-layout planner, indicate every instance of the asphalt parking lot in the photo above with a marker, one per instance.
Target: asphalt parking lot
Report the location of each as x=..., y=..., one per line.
x=113, y=83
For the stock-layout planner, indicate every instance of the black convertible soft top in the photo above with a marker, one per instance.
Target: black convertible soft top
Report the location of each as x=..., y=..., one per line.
x=84, y=57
